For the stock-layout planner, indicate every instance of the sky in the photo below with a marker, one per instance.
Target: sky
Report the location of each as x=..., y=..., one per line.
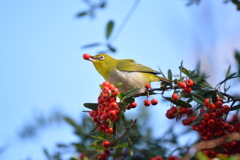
x=42, y=69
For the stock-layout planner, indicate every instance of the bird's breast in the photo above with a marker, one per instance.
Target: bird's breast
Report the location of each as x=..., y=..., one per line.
x=129, y=80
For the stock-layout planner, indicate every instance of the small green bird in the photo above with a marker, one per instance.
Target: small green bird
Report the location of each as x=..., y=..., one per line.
x=125, y=71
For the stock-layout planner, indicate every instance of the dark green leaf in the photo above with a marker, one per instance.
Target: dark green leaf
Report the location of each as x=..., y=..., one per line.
x=62, y=145
x=199, y=118
x=46, y=153
x=111, y=48
x=233, y=122
x=122, y=145
x=93, y=106
x=181, y=67
x=80, y=147
x=227, y=78
x=199, y=99
x=120, y=95
x=81, y=14
x=97, y=137
x=118, y=85
x=179, y=102
x=101, y=134
x=237, y=56
x=73, y=123
x=130, y=92
x=96, y=147
x=214, y=97
x=91, y=45
x=169, y=74
x=109, y=29
x=129, y=100
x=235, y=107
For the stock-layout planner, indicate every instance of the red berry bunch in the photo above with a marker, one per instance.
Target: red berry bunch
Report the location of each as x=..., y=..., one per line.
x=174, y=111
x=213, y=125
x=107, y=110
x=186, y=85
x=104, y=155
x=131, y=105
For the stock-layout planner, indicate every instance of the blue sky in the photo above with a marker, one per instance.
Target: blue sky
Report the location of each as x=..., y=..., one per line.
x=41, y=63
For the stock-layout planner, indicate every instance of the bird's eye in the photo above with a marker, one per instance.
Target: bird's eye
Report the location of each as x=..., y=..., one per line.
x=101, y=57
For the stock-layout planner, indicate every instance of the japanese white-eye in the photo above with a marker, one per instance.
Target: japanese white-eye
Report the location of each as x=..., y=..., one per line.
x=124, y=71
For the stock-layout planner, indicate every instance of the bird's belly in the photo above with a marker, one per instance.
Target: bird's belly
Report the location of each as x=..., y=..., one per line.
x=129, y=80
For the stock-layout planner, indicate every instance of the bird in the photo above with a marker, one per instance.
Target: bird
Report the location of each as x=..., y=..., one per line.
x=125, y=71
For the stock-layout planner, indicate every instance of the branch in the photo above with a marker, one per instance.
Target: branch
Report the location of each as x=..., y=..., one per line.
x=125, y=133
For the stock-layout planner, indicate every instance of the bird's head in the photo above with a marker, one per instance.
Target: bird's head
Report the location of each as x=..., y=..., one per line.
x=104, y=64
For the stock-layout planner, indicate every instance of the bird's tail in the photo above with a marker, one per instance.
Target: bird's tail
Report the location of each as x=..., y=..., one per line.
x=165, y=80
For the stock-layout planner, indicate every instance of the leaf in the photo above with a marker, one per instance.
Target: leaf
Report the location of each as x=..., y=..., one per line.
x=123, y=145
x=96, y=147
x=81, y=14
x=120, y=95
x=169, y=74
x=130, y=92
x=130, y=146
x=129, y=100
x=199, y=118
x=93, y=106
x=109, y=29
x=233, y=122
x=95, y=128
x=111, y=48
x=73, y=123
x=91, y=45
x=214, y=97
x=179, y=102
x=235, y=107
x=199, y=99
x=101, y=134
x=181, y=66
x=103, y=4
x=45, y=151
x=227, y=78
x=101, y=138
x=201, y=156
x=118, y=85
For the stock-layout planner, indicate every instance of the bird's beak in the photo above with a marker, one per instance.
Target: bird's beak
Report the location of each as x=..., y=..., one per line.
x=93, y=58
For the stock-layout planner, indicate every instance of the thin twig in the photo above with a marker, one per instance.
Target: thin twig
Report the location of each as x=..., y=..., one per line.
x=125, y=133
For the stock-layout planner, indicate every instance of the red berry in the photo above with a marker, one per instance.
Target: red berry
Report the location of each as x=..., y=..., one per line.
x=105, y=97
x=219, y=113
x=173, y=109
x=113, y=105
x=114, y=91
x=106, y=144
x=187, y=89
x=181, y=84
x=101, y=157
x=233, y=143
x=106, y=83
x=212, y=115
x=148, y=86
x=211, y=122
x=104, y=116
x=133, y=105
x=230, y=128
x=206, y=102
x=109, y=130
x=86, y=56
x=101, y=106
x=112, y=113
x=174, y=96
x=111, y=86
x=90, y=113
x=218, y=104
x=112, y=99
x=114, y=118
x=106, y=152
x=226, y=109
x=105, y=89
x=183, y=110
x=189, y=83
x=118, y=110
x=147, y=103
x=212, y=107
x=205, y=116
x=218, y=121
x=154, y=102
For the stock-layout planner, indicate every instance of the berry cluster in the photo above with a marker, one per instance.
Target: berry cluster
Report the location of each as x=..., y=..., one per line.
x=186, y=85
x=147, y=102
x=174, y=111
x=212, y=125
x=106, y=153
x=161, y=158
x=108, y=109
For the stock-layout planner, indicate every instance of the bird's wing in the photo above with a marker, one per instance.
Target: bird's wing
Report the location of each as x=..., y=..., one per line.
x=130, y=66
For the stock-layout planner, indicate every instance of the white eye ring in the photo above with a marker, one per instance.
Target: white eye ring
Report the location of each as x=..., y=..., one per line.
x=101, y=57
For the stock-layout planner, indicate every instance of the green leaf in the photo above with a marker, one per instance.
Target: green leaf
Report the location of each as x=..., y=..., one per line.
x=179, y=102
x=97, y=137
x=233, y=122
x=120, y=95
x=45, y=151
x=118, y=85
x=128, y=100
x=181, y=66
x=201, y=156
x=91, y=45
x=81, y=14
x=74, y=124
x=96, y=147
x=227, y=78
x=130, y=146
x=235, y=107
x=199, y=99
x=131, y=92
x=199, y=118
x=169, y=74
x=112, y=49
x=101, y=134
x=122, y=145
x=109, y=29
x=93, y=106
